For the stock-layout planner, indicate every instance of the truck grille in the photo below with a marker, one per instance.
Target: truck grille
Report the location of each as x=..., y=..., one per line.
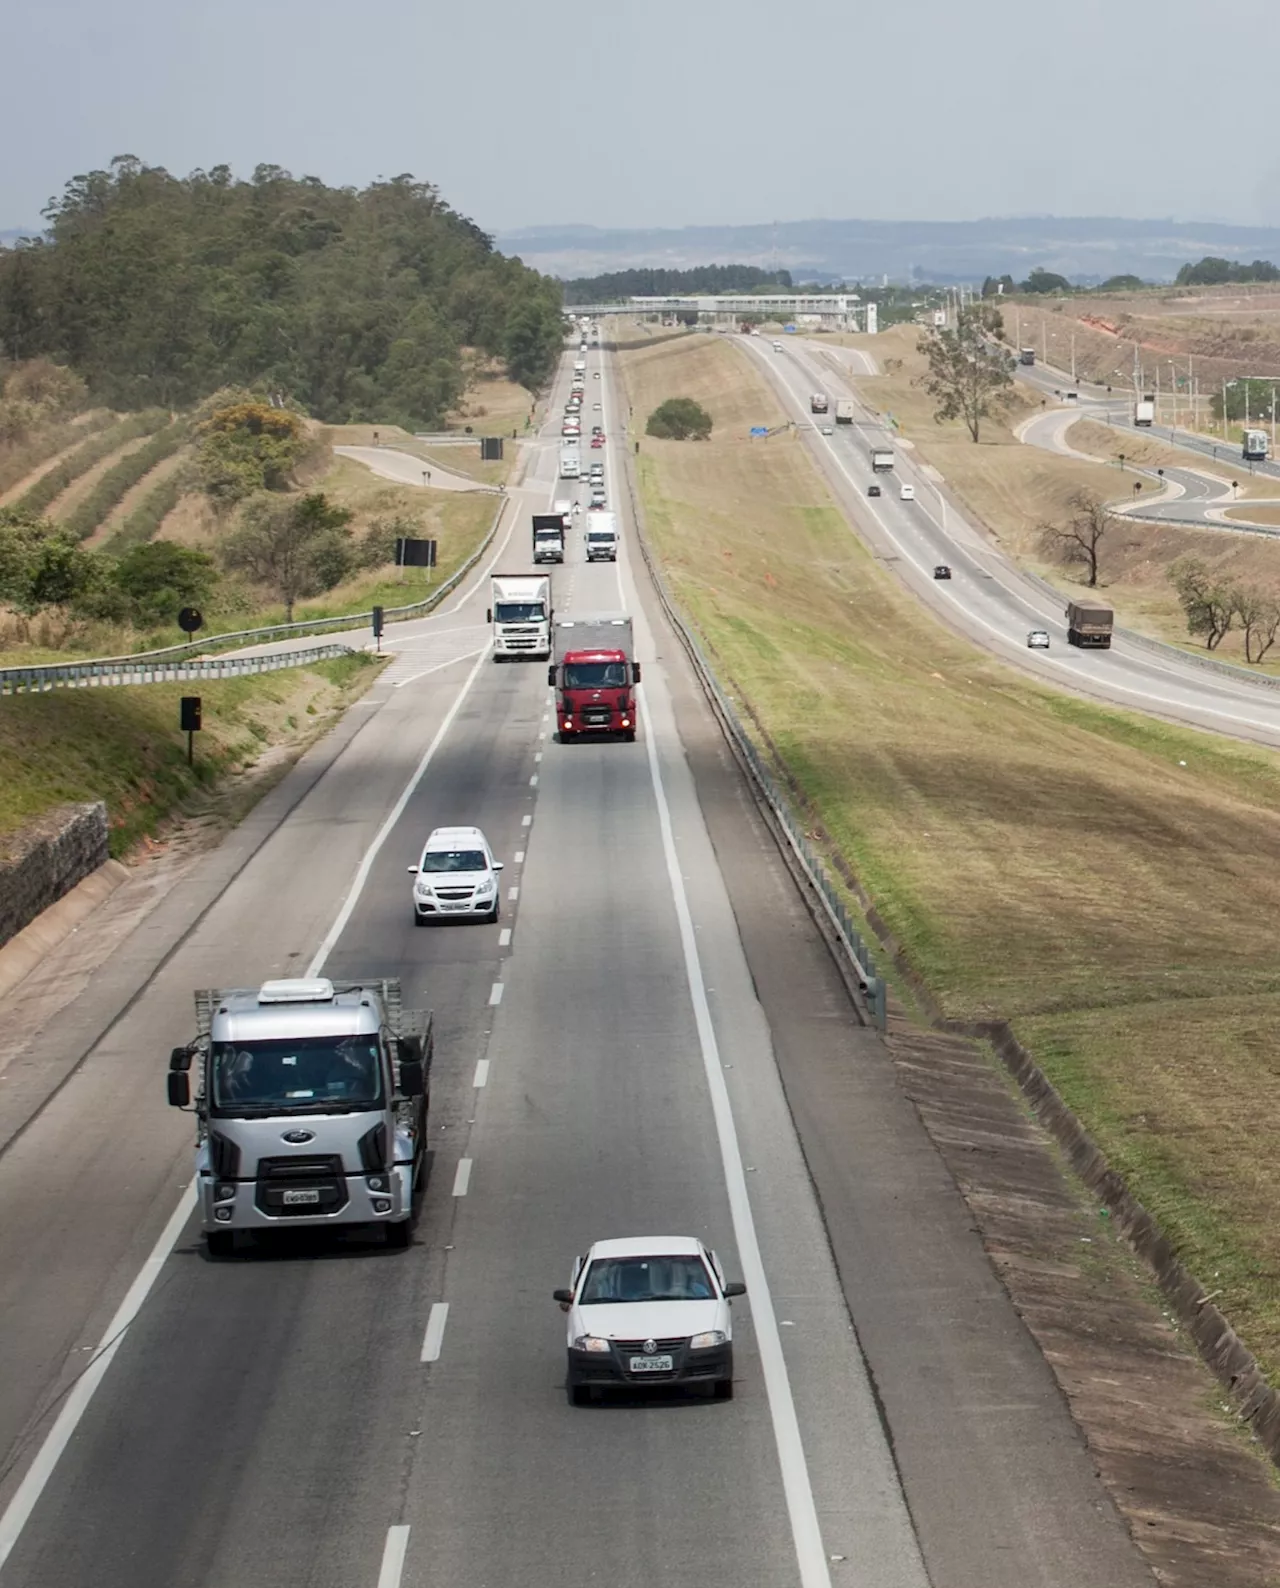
x=322, y=1174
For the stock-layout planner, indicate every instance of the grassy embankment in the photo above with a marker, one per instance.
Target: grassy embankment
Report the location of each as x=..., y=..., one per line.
x=1039, y=857
x=1013, y=489
x=123, y=745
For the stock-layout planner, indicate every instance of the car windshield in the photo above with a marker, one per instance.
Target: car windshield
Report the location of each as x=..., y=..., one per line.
x=315, y=1074
x=620, y=1279
x=595, y=675
x=454, y=860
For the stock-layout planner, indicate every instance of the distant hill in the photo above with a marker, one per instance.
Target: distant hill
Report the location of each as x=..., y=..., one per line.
x=8, y=238
x=1087, y=250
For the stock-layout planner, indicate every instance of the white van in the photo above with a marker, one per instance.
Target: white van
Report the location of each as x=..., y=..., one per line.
x=563, y=508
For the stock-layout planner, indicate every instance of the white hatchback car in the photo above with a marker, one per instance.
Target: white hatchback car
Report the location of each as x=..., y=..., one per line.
x=650, y=1309
x=1038, y=639
x=907, y=493
x=456, y=875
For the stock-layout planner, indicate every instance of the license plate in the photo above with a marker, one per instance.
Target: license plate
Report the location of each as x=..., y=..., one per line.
x=293, y=1199
x=651, y=1364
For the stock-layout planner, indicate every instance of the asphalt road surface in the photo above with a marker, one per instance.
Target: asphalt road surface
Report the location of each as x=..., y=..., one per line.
x=616, y=1055
x=988, y=598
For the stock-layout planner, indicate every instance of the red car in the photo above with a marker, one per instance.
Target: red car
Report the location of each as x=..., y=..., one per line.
x=597, y=441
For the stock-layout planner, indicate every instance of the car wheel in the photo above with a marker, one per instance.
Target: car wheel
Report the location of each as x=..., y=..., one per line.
x=399, y=1235
x=492, y=915
x=220, y=1243
x=580, y=1394
x=419, y=920
x=724, y=1389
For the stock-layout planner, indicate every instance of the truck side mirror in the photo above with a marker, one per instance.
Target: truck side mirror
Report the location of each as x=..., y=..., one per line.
x=551, y=674
x=180, y=1059
x=411, y=1078
x=488, y=614
x=179, y=1089
x=635, y=672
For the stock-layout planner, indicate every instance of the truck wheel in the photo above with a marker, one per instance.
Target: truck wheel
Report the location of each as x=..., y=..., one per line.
x=220, y=1243
x=399, y=1235
x=630, y=736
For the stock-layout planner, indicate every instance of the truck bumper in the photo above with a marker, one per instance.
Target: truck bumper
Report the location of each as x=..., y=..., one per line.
x=350, y=1199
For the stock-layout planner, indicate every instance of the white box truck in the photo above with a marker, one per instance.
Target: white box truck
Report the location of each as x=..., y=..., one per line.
x=570, y=460
x=882, y=459
x=844, y=411
x=602, y=537
x=1144, y=410
x=1255, y=446
x=521, y=615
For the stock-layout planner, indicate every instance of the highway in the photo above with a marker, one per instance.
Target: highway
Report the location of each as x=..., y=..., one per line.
x=622, y=1053
x=988, y=598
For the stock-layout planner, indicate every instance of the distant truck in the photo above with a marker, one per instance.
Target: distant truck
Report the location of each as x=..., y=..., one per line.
x=1026, y=355
x=602, y=537
x=570, y=461
x=882, y=459
x=548, y=537
x=594, y=675
x=818, y=403
x=844, y=411
x=521, y=614
x=1255, y=446
x=311, y=1107
x=1089, y=625
x=1144, y=410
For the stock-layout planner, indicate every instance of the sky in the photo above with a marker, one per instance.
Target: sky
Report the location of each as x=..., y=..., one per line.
x=618, y=113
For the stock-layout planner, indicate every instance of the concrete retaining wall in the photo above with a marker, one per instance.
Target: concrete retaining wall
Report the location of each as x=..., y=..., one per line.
x=43, y=861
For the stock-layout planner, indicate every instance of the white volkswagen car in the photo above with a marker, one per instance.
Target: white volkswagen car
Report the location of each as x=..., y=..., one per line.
x=455, y=875
x=651, y=1309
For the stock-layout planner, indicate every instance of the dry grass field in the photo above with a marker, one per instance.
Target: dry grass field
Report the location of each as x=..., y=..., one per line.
x=1101, y=879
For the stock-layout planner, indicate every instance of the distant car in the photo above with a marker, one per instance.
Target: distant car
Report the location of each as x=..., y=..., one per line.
x=598, y=498
x=777, y=347
x=597, y=405
x=827, y=430
x=649, y=1310
x=907, y=493
x=873, y=490
x=595, y=375
x=942, y=571
x=597, y=441
x=1038, y=640
x=597, y=430
x=457, y=875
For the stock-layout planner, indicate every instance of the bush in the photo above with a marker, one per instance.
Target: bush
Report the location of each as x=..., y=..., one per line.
x=246, y=447
x=120, y=478
x=160, y=579
x=92, y=451
x=149, y=514
x=679, y=419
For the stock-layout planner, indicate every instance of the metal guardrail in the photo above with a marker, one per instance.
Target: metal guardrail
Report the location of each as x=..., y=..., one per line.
x=146, y=670
x=806, y=853
x=146, y=666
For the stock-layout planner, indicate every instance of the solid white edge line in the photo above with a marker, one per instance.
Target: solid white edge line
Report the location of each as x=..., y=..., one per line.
x=504, y=937
x=462, y=1178
x=526, y=821
x=482, y=1074
x=393, y=1554
x=20, y=1507
x=801, y=1508
x=433, y=1340
x=518, y=857
x=385, y=831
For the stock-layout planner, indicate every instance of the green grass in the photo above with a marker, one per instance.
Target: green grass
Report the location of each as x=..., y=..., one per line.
x=123, y=745
x=28, y=455
x=87, y=514
x=1039, y=857
x=51, y=485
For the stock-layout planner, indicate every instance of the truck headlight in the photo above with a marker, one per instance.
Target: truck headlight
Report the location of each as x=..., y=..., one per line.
x=590, y=1342
x=224, y=1192
x=709, y=1337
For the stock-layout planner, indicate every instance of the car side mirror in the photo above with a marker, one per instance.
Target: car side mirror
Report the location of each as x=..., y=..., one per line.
x=564, y=1297
x=635, y=672
x=735, y=1287
x=551, y=674
x=497, y=865
x=411, y=1078
x=412, y=870
x=179, y=1089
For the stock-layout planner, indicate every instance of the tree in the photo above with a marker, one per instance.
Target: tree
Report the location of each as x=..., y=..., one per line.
x=1045, y=281
x=245, y=446
x=532, y=343
x=679, y=419
x=294, y=547
x=1079, y=540
x=969, y=373
x=1122, y=284
x=1259, y=614
x=161, y=577
x=1209, y=603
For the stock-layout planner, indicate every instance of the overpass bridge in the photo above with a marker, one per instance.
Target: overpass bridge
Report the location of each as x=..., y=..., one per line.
x=836, y=310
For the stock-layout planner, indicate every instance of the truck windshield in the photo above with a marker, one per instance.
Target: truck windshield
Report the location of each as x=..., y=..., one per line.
x=595, y=675
x=605, y=535
x=646, y=1279
x=317, y=1074
x=520, y=611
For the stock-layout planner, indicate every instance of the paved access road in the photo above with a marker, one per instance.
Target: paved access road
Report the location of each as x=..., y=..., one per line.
x=330, y=1414
x=988, y=598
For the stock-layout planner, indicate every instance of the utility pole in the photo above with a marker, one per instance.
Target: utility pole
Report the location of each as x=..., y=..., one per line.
x=1073, y=358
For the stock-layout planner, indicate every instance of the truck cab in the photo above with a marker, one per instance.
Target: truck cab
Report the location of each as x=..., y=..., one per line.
x=594, y=675
x=310, y=1105
x=602, y=537
x=520, y=612
x=548, y=537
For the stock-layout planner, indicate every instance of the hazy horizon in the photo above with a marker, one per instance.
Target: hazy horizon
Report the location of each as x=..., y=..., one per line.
x=662, y=115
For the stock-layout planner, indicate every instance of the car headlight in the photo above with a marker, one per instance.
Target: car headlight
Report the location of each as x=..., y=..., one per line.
x=590, y=1342
x=423, y=890
x=709, y=1337
x=487, y=886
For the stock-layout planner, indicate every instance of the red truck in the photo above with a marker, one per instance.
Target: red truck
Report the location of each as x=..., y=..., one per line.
x=594, y=673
